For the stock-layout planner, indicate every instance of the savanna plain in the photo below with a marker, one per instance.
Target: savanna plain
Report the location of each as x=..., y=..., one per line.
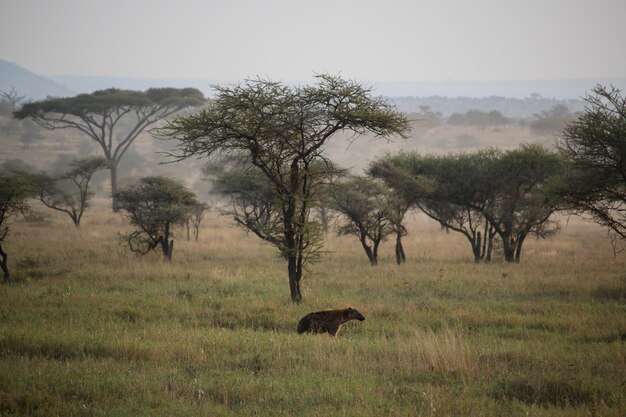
x=90, y=329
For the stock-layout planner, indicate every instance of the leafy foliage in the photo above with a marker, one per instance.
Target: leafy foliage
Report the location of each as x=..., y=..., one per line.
x=595, y=146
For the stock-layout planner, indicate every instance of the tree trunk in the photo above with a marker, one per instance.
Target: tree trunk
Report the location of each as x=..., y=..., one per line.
x=508, y=248
x=295, y=275
x=368, y=251
x=324, y=218
x=167, y=247
x=167, y=244
x=293, y=253
x=4, y=265
x=113, y=168
x=400, y=256
x=75, y=219
x=489, y=247
x=375, y=252
x=488, y=242
x=518, y=247
x=476, y=242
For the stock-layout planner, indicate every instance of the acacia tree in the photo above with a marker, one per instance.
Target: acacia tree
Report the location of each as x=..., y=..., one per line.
x=69, y=192
x=515, y=196
x=13, y=195
x=595, y=147
x=282, y=130
x=102, y=117
x=154, y=205
x=406, y=192
x=194, y=219
x=366, y=206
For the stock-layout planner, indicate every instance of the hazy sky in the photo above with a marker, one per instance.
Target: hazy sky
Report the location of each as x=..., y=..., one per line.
x=370, y=40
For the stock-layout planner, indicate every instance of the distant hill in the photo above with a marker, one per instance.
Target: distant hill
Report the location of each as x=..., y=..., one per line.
x=27, y=83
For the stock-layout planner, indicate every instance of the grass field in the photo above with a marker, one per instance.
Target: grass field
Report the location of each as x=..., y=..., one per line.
x=91, y=330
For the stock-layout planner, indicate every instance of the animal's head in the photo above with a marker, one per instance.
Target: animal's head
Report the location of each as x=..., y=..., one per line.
x=351, y=313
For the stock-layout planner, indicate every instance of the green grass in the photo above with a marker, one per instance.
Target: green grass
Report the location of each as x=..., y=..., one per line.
x=89, y=329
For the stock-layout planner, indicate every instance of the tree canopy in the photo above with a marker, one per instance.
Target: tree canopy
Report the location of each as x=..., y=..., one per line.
x=595, y=146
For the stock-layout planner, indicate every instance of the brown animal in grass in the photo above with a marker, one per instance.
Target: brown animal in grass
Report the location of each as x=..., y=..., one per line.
x=328, y=320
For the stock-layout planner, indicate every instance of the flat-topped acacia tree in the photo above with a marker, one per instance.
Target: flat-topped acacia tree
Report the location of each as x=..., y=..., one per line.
x=112, y=118
x=281, y=131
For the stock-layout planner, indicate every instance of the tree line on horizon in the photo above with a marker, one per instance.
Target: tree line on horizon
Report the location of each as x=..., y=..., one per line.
x=280, y=185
